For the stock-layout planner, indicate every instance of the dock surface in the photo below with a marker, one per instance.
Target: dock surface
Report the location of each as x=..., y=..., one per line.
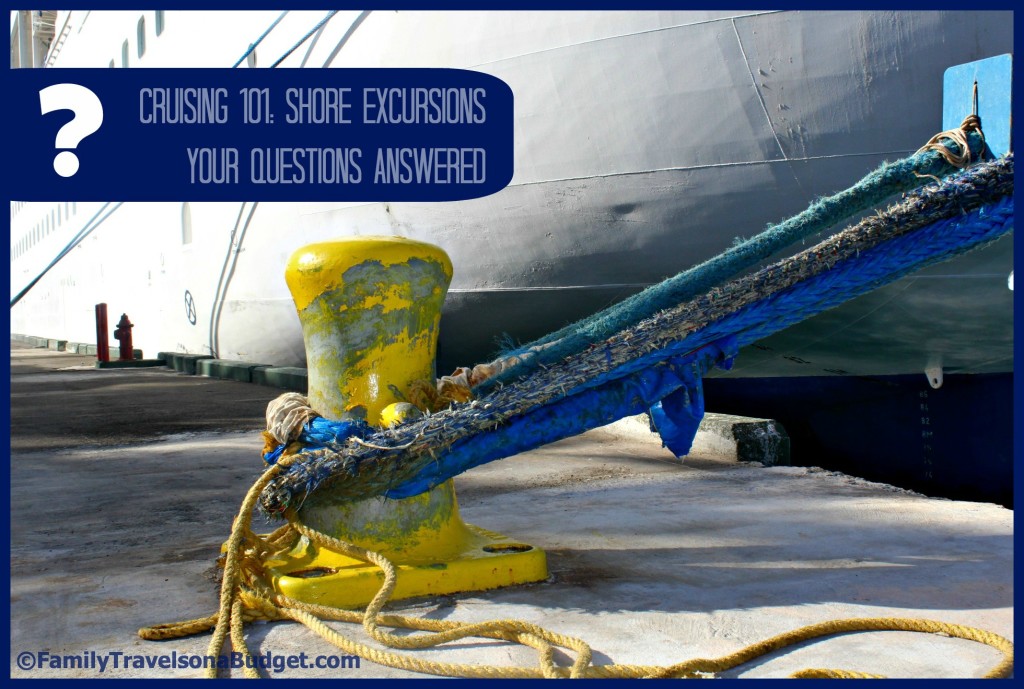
x=124, y=484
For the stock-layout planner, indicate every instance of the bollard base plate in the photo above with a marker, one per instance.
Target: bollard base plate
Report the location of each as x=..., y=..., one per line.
x=487, y=560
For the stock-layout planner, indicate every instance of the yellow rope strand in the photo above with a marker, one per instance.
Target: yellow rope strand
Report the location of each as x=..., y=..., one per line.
x=245, y=597
x=238, y=641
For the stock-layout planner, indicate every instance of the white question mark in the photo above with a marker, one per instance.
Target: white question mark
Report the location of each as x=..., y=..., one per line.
x=88, y=118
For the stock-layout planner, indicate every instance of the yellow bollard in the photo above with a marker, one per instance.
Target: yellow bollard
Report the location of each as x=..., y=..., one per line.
x=370, y=309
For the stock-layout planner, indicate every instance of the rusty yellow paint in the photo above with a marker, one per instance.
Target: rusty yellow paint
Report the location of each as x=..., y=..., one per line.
x=435, y=551
x=391, y=299
x=317, y=268
x=370, y=309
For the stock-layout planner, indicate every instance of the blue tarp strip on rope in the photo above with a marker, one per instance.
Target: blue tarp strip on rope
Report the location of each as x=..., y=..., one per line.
x=625, y=396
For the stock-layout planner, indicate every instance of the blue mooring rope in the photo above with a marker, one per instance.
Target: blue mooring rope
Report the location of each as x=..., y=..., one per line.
x=629, y=389
x=678, y=362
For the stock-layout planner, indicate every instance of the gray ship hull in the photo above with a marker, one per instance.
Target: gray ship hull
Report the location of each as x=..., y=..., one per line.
x=645, y=143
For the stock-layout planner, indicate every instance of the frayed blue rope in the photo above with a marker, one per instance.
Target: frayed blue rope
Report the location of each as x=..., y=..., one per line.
x=632, y=388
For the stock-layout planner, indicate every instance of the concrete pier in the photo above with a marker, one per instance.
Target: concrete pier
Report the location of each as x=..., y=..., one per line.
x=124, y=484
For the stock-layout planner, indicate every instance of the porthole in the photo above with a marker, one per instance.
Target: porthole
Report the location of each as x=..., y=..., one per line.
x=186, y=224
x=140, y=35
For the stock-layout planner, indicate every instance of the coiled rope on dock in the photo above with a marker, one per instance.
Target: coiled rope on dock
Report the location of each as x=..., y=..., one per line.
x=245, y=597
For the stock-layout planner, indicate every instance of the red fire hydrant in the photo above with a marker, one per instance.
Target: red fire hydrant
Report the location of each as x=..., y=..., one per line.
x=124, y=334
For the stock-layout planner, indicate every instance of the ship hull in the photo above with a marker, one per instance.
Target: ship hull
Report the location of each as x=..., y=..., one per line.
x=954, y=442
x=645, y=143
